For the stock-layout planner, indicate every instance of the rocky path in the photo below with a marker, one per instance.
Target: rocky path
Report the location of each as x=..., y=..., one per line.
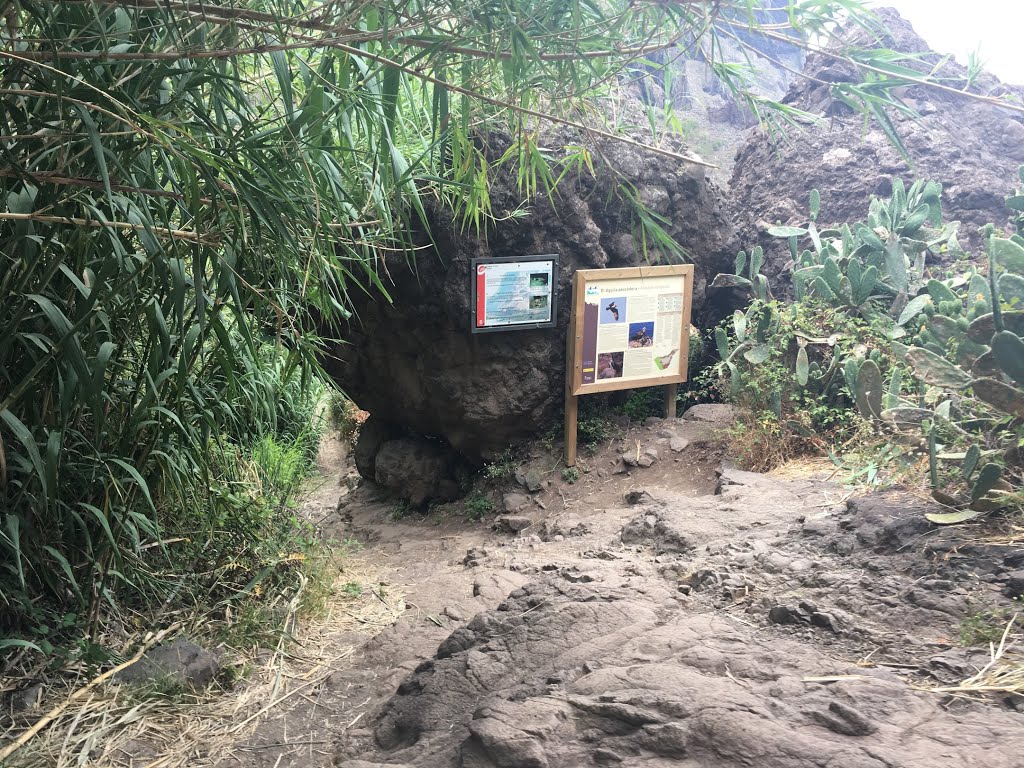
x=682, y=614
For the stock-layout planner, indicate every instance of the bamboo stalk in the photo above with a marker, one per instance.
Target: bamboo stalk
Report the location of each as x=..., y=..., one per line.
x=182, y=234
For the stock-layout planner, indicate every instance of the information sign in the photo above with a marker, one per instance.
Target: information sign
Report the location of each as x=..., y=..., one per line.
x=632, y=327
x=515, y=293
x=629, y=328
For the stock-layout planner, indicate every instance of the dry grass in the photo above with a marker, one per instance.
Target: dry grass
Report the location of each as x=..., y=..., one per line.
x=806, y=468
x=1004, y=672
x=161, y=726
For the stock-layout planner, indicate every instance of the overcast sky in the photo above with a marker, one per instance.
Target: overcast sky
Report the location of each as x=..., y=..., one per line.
x=959, y=26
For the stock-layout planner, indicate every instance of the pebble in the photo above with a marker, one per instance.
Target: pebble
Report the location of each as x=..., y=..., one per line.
x=453, y=614
x=514, y=523
x=825, y=621
x=530, y=479
x=678, y=444
x=513, y=502
x=1015, y=584
x=817, y=527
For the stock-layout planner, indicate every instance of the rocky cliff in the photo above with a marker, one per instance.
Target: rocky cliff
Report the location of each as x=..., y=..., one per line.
x=714, y=120
x=973, y=149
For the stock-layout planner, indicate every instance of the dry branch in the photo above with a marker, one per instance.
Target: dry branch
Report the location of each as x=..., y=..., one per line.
x=54, y=713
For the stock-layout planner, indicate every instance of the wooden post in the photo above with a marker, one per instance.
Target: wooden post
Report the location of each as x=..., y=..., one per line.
x=571, y=400
x=670, y=401
x=571, y=413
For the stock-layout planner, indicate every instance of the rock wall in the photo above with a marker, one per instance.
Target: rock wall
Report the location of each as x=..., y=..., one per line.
x=415, y=363
x=973, y=149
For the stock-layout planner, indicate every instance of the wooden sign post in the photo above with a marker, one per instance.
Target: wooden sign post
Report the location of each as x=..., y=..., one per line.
x=629, y=328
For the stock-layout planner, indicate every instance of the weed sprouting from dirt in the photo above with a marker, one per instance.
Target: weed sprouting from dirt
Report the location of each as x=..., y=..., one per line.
x=984, y=628
x=503, y=467
x=478, y=506
x=401, y=509
x=352, y=589
x=642, y=404
x=594, y=428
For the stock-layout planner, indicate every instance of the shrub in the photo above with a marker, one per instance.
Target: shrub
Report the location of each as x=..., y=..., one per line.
x=478, y=506
x=503, y=467
x=876, y=336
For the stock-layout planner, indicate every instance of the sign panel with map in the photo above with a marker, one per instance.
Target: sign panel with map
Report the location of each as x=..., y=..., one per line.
x=514, y=293
x=631, y=327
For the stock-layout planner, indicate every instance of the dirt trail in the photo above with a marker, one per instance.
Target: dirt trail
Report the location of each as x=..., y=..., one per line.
x=682, y=614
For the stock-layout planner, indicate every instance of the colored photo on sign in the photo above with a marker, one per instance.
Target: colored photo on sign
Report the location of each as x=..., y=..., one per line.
x=609, y=365
x=613, y=310
x=538, y=280
x=641, y=334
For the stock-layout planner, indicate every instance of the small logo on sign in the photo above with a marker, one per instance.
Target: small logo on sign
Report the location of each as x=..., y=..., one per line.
x=481, y=269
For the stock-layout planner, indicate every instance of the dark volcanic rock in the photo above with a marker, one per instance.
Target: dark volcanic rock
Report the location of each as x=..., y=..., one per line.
x=514, y=523
x=889, y=521
x=972, y=149
x=418, y=469
x=584, y=674
x=181, y=660
x=372, y=435
x=1015, y=585
x=415, y=363
x=652, y=529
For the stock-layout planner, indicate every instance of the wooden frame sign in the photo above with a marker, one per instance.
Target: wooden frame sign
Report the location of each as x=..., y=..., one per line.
x=629, y=328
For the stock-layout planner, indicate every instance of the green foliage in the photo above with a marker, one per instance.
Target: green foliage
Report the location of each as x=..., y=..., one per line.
x=703, y=387
x=879, y=338
x=281, y=467
x=642, y=404
x=503, y=467
x=401, y=509
x=478, y=506
x=593, y=428
x=976, y=382
x=571, y=475
x=352, y=589
x=219, y=497
x=800, y=367
x=984, y=628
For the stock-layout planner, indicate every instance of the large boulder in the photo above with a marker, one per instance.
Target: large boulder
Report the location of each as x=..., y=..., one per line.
x=415, y=363
x=418, y=469
x=973, y=149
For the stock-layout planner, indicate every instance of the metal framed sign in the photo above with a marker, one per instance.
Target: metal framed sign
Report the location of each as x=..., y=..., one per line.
x=629, y=328
x=514, y=294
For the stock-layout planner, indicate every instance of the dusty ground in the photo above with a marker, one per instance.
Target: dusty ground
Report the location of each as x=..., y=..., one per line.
x=677, y=614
